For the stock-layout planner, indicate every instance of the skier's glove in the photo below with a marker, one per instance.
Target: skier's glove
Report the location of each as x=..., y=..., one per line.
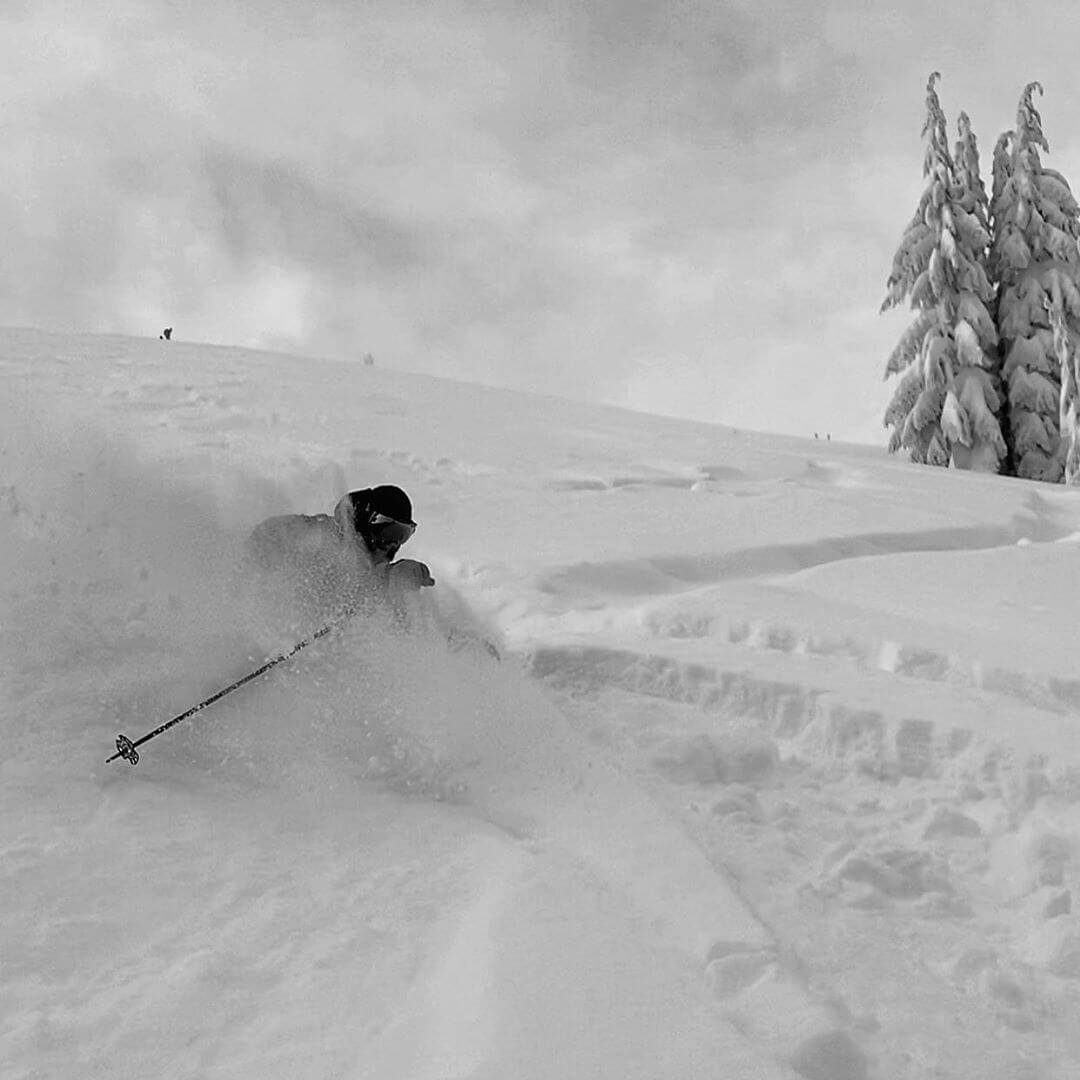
x=409, y=575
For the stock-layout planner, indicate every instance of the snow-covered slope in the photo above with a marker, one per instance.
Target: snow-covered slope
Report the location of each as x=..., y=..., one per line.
x=780, y=776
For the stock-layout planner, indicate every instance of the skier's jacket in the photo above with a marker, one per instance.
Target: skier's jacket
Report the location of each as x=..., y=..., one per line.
x=330, y=568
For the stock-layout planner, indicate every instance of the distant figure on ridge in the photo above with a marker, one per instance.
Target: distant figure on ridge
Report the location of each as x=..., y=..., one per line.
x=166, y=334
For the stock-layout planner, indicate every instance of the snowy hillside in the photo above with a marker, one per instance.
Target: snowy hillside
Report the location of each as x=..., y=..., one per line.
x=779, y=778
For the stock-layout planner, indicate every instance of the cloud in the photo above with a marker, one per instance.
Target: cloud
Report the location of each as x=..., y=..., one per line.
x=567, y=196
x=261, y=209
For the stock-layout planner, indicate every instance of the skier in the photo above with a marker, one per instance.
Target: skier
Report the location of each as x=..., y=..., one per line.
x=338, y=565
x=343, y=563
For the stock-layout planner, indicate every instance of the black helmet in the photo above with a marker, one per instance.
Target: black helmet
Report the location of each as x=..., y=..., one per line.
x=381, y=515
x=387, y=500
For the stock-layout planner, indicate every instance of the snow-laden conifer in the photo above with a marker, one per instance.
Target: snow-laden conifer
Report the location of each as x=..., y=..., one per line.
x=1035, y=259
x=1069, y=403
x=944, y=409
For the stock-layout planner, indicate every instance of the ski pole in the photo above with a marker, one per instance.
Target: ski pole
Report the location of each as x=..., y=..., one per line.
x=125, y=748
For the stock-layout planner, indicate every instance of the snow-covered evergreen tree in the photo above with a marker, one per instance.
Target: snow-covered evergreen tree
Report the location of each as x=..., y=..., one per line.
x=944, y=409
x=1069, y=406
x=1036, y=262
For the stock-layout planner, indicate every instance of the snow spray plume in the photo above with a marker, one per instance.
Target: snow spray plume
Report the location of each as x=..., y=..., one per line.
x=122, y=605
x=118, y=583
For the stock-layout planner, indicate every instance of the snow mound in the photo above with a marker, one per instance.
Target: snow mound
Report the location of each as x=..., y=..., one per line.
x=832, y=1055
x=742, y=757
x=1053, y=946
x=898, y=873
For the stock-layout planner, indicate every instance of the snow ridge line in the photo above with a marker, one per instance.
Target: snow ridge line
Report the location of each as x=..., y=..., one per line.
x=669, y=574
x=812, y=722
x=1049, y=692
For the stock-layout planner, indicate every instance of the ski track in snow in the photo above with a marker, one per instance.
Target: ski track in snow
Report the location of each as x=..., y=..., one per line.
x=810, y=779
x=765, y=809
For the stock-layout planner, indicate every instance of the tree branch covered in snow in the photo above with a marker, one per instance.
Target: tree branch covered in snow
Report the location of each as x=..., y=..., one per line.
x=1069, y=401
x=1037, y=265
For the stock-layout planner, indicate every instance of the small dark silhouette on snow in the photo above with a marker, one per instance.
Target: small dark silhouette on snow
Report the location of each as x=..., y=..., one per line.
x=166, y=334
x=815, y=434
x=369, y=360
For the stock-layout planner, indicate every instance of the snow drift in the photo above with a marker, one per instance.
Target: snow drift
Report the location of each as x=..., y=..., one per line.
x=778, y=778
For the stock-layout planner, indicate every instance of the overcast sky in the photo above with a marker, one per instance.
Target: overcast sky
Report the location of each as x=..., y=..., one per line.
x=686, y=207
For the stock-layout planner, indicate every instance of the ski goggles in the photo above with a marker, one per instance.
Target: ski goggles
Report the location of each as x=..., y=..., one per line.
x=387, y=532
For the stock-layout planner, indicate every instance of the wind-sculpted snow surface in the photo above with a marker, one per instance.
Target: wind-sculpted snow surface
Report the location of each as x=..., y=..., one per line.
x=779, y=777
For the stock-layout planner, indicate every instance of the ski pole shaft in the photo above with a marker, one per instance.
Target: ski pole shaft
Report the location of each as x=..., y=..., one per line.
x=125, y=748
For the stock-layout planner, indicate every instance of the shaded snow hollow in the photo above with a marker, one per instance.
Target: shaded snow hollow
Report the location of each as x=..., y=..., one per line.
x=780, y=777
